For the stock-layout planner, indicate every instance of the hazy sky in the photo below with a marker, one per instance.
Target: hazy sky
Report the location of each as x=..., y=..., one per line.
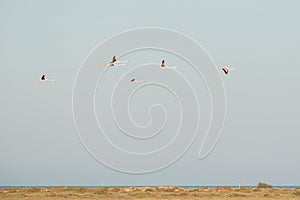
x=260, y=141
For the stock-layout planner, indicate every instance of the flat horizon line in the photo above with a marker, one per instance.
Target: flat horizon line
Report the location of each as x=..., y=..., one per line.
x=140, y=186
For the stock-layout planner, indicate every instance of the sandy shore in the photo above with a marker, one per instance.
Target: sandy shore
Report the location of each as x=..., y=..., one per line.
x=220, y=193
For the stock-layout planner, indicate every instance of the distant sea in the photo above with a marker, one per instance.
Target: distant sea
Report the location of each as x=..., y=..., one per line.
x=184, y=186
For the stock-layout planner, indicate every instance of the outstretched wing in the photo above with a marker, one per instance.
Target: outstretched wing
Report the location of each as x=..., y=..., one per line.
x=225, y=70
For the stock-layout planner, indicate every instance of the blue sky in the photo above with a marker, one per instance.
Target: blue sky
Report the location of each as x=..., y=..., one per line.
x=260, y=140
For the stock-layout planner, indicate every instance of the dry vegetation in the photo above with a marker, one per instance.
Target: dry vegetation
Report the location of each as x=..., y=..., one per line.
x=219, y=193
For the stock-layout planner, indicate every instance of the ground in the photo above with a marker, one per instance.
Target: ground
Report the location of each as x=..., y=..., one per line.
x=147, y=193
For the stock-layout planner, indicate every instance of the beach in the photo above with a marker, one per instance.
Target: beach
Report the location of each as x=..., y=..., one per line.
x=147, y=193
